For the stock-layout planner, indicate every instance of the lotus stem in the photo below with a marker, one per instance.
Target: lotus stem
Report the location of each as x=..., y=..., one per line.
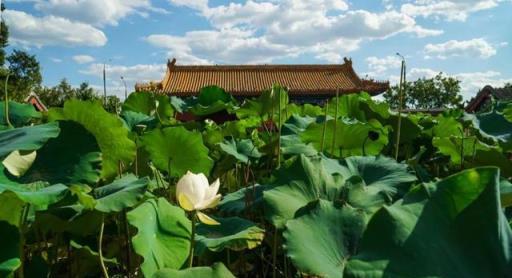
x=192, y=240
x=6, y=99
x=274, y=255
x=335, y=121
x=325, y=127
x=100, y=251
x=279, y=134
x=364, y=143
x=461, y=149
x=22, y=224
x=128, y=245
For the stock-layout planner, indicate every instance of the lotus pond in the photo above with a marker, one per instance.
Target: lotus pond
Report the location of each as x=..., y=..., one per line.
x=277, y=190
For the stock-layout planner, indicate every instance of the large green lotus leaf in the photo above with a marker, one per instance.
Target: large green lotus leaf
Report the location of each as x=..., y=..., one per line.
x=291, y=142
x=359, y=106
x=211, y=94
x=20, y=114
x=10, y=251
x=246, y=199
x=506, y=193
x=218, y=270
x=306, y=109
x=123, y=193
x=323, y=237
x=380, y=172
x=233, y=233
x=268, y=101
x=212, y=99
x=493, y=125
x=165, y=110
x=163, y=237
x=507, y=112
x=39, y=197
x=453, y=228
x=73, y=157
x=409, y=129
x=446, y=126
x=132, y=119
x=351, y=135
x=142, y=102
x=108, y=129
x=302, y=182
x=178, y=104
x=475, y=152
x=242, y=150
x=26, y=138
x=455, y=147
x=179, y=149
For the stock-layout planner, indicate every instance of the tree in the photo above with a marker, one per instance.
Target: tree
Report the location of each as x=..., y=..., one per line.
x=4, y=35
x=113, y=104
x=25, y=74
x=57, y=95
x=427, y=93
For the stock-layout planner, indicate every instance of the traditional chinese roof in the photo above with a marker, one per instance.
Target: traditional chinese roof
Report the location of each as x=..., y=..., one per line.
x=33, y=99
x=251, y=80
x=483, y=98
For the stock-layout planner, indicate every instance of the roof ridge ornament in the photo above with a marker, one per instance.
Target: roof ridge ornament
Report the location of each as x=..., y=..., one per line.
x=347, y=61
x=171, y=63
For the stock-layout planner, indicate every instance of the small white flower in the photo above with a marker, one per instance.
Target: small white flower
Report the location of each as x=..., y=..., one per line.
x=194, y=193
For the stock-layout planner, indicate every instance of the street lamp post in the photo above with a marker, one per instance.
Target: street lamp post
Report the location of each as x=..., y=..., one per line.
x=104, y=84
x=125, y=88
x=400, y=103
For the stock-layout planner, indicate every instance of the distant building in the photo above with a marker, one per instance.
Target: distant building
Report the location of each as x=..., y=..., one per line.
x=305, y=83
x=33, y=99
x=482, y=101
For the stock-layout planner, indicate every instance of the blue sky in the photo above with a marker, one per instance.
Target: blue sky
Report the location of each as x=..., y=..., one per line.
x=468, y=39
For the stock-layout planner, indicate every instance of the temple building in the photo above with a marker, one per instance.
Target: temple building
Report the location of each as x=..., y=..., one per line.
x=305, y=83
x=483, y=99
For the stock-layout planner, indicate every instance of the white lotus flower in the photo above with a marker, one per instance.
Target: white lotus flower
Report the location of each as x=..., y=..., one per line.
x=194, y=193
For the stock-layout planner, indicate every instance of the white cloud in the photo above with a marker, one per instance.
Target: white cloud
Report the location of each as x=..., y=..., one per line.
x=28, y=30
x=451, y=10
x=193, y=4
x=83, y=59
x=131, y=74
x=135, y=73
x=95, y=12
x=379, y=66
x=56, y=60
x=454, y=48
x=472, y=82
x=263, y=31
x=224, y=46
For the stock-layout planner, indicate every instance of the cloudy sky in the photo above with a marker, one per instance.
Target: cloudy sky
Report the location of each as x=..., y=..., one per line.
x=468, y=39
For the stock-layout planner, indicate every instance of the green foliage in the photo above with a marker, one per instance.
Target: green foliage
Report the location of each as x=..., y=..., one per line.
x=110, y=134
x=19, y=114
x=322, y=238
x=427, y=93
x=436, y=223
x=26, y=138
x=218, y=270
x=25, y=74
x=177, y=150
x=163, y=235
x=233, y=233
x=57, y=95
x=314, y=194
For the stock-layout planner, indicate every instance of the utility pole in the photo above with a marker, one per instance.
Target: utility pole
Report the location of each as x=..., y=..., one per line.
x=400, y=103
x=125, y=88
x=104, y=84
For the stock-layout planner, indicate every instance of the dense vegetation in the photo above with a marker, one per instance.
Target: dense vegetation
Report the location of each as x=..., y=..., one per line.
x=306, y=190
